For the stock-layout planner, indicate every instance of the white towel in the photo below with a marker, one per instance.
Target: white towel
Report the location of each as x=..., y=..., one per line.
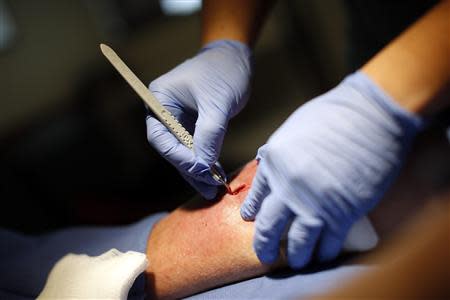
x=108, y=276
x=361, y=237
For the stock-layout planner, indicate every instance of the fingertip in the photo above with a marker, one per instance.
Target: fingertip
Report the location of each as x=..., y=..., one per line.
x=251, y=206
x=258, y=192
x=297, y=263
x=302, y=239
x=271, y=222
x=208, y=192
x=266, y=252
x=330, y=246
x=266, y=257
x=247, y=213
x=153, y=125
x=261, y=152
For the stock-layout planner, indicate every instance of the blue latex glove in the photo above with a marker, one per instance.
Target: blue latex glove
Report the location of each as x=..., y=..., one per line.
x=324, y=168
x=203, y=93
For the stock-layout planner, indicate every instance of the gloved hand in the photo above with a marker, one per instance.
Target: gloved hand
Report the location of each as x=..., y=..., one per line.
x=324, y=168
x=203, y=93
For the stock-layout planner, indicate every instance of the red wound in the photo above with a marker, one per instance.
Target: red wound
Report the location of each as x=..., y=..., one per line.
x=239, y=189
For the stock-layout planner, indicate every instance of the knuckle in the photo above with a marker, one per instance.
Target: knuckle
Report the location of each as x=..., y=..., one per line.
x=301, y=235
x=260, y=242
x=273, y=149
x=155, y=85
x=261, y=152
x=211, y=131
x=265, y=232
x=250, y=207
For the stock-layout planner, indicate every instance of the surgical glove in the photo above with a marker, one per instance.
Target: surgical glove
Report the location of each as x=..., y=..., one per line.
x=203, y=93
x=324, y=168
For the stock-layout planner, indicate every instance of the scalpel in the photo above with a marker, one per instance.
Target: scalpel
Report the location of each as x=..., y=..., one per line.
x=163, y=115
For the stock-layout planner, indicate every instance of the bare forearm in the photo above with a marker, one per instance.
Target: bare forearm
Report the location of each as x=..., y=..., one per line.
x=415, y=66
x=233, y=19
x=203, y=244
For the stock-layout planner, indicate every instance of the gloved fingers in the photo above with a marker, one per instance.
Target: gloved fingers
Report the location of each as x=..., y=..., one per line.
x=167, y=144
x=209, y=133
x=176, y=153
x=197, y=168
x=270, y=224
x=302, y=238
x=330, y=243
x=160, y=137
x=184, y=115
x=180, y=156
x=206, y=190
x=258, y=192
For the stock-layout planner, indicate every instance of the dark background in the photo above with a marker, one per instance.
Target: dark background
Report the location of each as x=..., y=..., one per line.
x=73, y=146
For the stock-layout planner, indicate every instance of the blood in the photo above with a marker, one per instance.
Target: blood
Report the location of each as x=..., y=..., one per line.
x=238, y=189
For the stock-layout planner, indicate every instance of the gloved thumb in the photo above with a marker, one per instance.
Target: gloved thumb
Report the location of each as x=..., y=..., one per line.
x=258, y=192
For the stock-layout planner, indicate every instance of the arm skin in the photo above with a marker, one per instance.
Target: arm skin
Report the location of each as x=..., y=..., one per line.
x=233, y=20
x=203, y=244
x=416, y=66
